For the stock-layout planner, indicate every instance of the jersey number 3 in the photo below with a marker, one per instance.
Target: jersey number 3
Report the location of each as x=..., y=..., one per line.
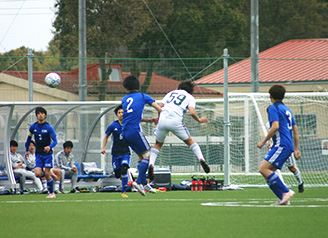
x=289, y=123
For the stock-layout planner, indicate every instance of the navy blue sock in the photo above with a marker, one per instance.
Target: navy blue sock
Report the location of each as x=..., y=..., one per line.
x=276, y=185
x=142, y=172
x=125, y=178
x=50, y=185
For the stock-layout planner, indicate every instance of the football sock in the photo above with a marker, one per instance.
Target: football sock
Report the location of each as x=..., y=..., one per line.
x=276, y=185
x=50, y=184
x=142, y=172
x=125, y=178
x=297, y=175
x=153, y=155
x=44, y=183
x=57, y=183
x=197, y=151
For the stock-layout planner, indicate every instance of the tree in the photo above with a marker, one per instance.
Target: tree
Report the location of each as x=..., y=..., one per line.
x=110, y=24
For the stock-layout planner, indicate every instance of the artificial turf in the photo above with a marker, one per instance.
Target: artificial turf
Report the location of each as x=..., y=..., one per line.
x=239, y=213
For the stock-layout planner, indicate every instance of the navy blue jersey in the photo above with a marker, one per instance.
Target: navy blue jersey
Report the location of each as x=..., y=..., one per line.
x=44, y=135
x=133, y=106
x=119, y=145
x=284, y=136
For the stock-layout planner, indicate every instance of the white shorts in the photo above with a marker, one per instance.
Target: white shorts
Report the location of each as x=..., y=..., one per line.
x=290, y=161
x=166, y=125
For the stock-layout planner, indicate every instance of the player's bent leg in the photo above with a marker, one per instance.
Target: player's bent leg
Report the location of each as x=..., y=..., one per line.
x=36, y=180
x=266, y=169
x=38, y=172
x=117, y=173
x=198, y=152
x=151, y=172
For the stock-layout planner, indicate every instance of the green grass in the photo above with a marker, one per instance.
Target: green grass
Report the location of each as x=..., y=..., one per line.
x=243, y=213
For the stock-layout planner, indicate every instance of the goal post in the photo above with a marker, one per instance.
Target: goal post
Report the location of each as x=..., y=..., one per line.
x=309, y=110
x=247, y=118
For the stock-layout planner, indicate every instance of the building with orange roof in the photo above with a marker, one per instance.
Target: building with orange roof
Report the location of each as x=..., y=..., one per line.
x=300, y=65
x=17, y=83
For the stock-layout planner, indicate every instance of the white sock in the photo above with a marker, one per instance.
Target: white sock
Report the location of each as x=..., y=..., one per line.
x=57, y=183
x=197, y=151
x=153, y=156
x=297, y=175
x=44, y=183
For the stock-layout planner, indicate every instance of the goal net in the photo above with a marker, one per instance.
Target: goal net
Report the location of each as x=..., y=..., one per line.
x=85, y=123
x=247, y=118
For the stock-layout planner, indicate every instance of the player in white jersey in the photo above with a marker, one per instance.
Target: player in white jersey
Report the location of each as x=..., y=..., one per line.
x=174, y=106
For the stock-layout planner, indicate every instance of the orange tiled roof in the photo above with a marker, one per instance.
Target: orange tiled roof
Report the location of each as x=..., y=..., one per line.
x=291, y=61
x=160, y=85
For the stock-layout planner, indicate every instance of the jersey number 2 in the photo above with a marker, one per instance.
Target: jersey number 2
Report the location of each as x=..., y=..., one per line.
x=130, y=101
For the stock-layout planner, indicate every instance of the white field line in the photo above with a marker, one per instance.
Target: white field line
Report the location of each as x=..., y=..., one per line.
x=317, y=202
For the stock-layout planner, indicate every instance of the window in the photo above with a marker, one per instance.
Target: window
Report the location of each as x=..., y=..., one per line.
x=115, y=75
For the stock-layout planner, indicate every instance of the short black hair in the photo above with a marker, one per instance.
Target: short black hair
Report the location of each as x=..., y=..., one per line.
x=131, y=83
x=33, y=142
x=187, y=85
x=40, y=109
x=13, y=143
x=68, y=144
x=277, y=92
x=118, y=108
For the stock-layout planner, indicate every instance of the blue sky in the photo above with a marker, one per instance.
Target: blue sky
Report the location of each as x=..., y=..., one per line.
x=26, y=23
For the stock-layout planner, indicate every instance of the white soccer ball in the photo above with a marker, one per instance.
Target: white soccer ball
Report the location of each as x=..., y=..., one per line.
x=52, y=80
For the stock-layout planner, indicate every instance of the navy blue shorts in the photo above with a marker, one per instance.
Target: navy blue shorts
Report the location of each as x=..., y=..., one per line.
x=44, y=161
x=117, y=161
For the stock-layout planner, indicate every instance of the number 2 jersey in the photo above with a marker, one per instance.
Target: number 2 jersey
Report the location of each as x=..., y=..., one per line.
x=176, y=104
x=284, y=136
x=133, y=105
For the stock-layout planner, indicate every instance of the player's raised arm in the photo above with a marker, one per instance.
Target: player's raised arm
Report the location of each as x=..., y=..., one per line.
x=194, y=115
x=157, y=107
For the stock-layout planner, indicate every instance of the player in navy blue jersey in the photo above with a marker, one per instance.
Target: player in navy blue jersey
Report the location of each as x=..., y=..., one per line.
x=120, y=149
x=285, y=135
x=133, y=105
x=45, y=140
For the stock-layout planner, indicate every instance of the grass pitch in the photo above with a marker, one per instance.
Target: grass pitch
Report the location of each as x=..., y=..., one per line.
x=243, y=213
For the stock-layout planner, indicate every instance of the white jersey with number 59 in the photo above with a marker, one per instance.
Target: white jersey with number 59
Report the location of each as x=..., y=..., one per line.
x=176, y=104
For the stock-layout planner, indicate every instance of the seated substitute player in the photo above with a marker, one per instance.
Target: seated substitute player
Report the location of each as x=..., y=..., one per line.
x=45, y=140
x=285, y=135
x=290, y=163
x=64, y=160
x=19, y=167
x=133, y=105
x=174, y=106
x=30, y=163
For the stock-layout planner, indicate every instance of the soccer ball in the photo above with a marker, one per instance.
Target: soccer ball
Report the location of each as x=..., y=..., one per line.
x=52, y=80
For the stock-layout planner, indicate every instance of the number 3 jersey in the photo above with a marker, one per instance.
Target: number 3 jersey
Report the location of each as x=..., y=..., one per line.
x=176, y=104
x=284, y=136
